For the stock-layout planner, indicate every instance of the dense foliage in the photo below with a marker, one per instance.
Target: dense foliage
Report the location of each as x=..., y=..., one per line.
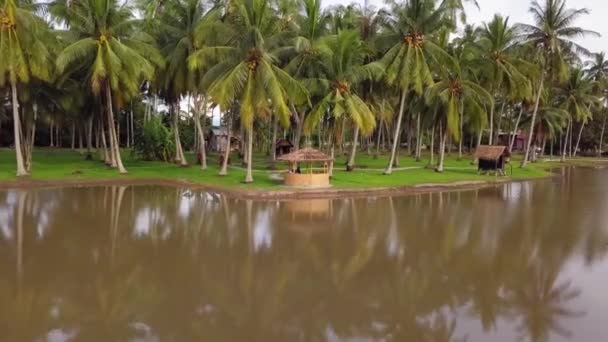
x=155, y=142
x=412, y=73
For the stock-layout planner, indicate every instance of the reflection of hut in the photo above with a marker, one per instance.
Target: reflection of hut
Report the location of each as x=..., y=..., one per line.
x=218, y=137
x=309, y=216
x=312, y=178
x=492, y=158
x=284, y=146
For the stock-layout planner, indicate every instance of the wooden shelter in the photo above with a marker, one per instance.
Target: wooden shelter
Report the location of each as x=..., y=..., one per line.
x=312, y=178
x=217, y=139
x=283, y=146
x=492, y=158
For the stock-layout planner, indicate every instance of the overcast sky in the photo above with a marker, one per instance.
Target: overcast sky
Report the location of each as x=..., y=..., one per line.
x=517, y=11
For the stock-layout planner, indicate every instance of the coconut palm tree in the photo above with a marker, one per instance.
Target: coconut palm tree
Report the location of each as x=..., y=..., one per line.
x=408, y=32
x=597, y=69
x=500, y=64
x=24, y=56
x=247, y=72
x=337, y=83
x=552, y=35
x=578, y=98
x=456, y=94
x=114, y=55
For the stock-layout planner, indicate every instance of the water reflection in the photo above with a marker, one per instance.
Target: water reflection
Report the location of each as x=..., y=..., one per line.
x=169, y=264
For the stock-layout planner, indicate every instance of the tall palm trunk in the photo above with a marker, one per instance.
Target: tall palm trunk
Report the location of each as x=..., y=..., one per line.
x=524, y=162
x=249, y=176
x=73, y=140
x=201, y=135
x=132, y=127
x=578, y=139
x=514, y=133
x=353, y=150
x=21, y=171
x=432, y=159
x=443, y=134
x=51, y=135
x=602, y=137
x=273, y=143
x=461, y=130
x=389, y=167
x=564, y=150
x=224, y=169
x=31, y=138
x=418, y=138
x=89, y=137
x=104, y=144
x=490, y=138
x=379, y=138
x=299, y=128
x=113, y=137
x=179, y=152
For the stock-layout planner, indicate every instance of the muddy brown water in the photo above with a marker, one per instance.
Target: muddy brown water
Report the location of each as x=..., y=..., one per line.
x=522, y=261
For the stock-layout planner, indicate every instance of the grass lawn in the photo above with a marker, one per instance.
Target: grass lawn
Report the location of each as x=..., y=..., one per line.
x=58, y=164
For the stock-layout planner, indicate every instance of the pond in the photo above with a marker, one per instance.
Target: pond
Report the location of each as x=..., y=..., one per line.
x=517, y=261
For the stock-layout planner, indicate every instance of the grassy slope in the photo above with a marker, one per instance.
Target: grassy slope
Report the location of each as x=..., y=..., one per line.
x=54, y=164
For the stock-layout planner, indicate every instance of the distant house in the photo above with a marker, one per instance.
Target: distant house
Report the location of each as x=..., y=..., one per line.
x=217, y=139
x=504, y=138
x=284, y=146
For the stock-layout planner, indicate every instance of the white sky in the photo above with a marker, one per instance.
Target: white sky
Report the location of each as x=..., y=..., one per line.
x=517, y=11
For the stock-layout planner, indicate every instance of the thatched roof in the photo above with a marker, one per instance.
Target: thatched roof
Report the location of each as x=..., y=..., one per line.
x=490, y=152
x=284, y=143
x=305, y=155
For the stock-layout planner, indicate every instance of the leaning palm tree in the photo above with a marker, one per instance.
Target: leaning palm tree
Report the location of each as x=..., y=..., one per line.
x=23, y=55
x=337, y=84
x=552, y=35
x=408, y=31
x=247, y=72
x=456, y=94
x=112, y=53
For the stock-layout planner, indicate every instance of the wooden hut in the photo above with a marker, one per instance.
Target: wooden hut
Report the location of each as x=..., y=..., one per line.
x=283, y=146
x=519, y=142
x=312, y=178
x=217, y=140
x=492, y=158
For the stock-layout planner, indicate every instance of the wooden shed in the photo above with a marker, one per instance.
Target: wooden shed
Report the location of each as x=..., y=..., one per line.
x=313, y=178
x=492, y=158
x=283, y=146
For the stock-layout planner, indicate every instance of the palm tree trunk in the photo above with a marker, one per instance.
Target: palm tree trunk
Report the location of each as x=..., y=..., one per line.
x=21, y=171
x=578, y=139
x=389, y=168
x=418, y=137
x=461, y=130
x=570, y=138
x=379, y=138
x=490, y=138
x=132, y=127
x=89, y=137
x=331, y=162
x=201, y=135
x=31, y=139
x=602, y=137
x=565, y=144
x=443, y=137
x=106, y=154
x=80, y=146
x=113, y=138
x=432, y=159
x=179, y=152
x=514, y=133
x=224, y=169
x=524, y=162
x=353, y=150
x=51, y=135
x=73, y=141
x=249, y=176
x=299, y=128
x=273, y=143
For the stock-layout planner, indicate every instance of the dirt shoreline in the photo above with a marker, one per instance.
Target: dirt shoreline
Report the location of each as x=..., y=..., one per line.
x=261, y=194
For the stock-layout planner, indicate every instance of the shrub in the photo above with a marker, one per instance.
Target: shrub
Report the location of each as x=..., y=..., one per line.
x=155, y=141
